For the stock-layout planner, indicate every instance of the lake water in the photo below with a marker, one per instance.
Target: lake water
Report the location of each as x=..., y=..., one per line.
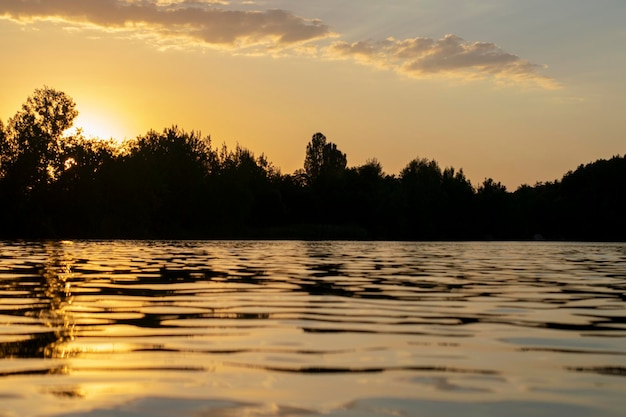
x=288, y=328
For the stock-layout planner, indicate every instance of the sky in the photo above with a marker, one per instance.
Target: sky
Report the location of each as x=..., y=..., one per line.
x=517, y=91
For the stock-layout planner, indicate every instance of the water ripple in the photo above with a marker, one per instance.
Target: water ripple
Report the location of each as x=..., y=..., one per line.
x=313, y=322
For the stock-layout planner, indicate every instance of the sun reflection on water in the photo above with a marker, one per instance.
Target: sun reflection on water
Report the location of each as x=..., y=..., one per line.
x=312, y=325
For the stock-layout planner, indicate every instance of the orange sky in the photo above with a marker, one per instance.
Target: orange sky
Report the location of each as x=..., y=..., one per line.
x=517, y=91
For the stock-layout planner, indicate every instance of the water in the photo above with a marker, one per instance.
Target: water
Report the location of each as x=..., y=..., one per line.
x=117, y=328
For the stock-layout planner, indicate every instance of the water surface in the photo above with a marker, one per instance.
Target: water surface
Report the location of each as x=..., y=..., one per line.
x=210, y=328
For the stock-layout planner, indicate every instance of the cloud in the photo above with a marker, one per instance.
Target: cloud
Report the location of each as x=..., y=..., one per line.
x=218, y=23
x=198, y=21
x=450, y=56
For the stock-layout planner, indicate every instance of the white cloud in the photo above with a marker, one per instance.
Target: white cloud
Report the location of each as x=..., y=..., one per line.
x=448, y=56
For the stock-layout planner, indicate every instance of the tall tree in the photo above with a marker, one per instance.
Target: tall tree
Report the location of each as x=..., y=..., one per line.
x=323, y=159
x=335, y=161
x=34, y=134
x=314, y=158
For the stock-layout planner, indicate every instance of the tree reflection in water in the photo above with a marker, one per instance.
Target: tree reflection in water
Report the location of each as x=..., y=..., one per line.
x=49, y=285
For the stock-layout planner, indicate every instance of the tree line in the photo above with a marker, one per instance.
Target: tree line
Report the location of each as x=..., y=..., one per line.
x=176, y=184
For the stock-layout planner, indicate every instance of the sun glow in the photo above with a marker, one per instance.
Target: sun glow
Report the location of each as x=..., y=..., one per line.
x=98, y=123
x=93, y=126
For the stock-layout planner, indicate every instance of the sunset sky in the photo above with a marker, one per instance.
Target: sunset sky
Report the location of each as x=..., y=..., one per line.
x=520, y=91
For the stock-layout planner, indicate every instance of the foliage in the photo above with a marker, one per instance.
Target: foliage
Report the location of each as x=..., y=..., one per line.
x=323, y=160
x=175, y=184
x=314, y=158
x=5, y=150
x=32, y=142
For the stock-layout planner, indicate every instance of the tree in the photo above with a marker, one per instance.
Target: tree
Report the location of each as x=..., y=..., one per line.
x=593, y=200
x=32, y=148
x=368, y=197
x=78, y=201
x=4, y=150
x=458, y=205
x=335, y=161
x=421, y=191
x=372, y=169
x=315, y=156
x=493, y=209
x=246, y=191
x=158, y=187
x=323, y=159
x=421, y=183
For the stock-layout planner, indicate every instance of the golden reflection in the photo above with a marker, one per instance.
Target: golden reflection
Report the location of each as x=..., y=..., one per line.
x=51, y=294
x=56, y=294
x=57, y=273
x=325, y=322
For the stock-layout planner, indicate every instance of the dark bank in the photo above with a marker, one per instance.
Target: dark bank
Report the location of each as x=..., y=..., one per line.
x=176, y=184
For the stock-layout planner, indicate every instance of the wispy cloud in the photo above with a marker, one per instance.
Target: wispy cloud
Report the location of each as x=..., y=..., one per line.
x=197, y=21
x=449, y=56
x=214, y=23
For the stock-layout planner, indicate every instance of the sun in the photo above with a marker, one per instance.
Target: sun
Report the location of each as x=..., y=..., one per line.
x=93, y=126
x=99, y=124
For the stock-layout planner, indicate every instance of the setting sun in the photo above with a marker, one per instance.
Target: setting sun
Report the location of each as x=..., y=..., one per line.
x=98, y=124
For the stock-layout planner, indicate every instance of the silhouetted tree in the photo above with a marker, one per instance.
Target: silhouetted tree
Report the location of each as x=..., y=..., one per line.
x=368, y=199
x=493, y=209
x=420, y=183
x=173, y=184
x=33, y=137
x=314, y=158
x=298, y=198
x=80, y=198
x=457, y=210
x=5, y=153
x=325, y=166
x=246, y=191
x=323, y=160
x=159, y=183
x=335, y=161
x=594, y=200
x=32, y=159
